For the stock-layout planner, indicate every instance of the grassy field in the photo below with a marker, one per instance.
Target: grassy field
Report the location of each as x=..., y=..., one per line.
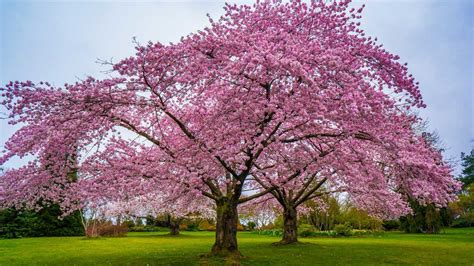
x=453, y=247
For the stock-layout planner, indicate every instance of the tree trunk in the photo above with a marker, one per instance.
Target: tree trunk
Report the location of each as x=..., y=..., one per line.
x=174, y=228
x=226, y=228
x=290, y=225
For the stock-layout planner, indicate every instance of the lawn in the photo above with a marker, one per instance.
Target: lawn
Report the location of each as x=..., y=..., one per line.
x=452, y=247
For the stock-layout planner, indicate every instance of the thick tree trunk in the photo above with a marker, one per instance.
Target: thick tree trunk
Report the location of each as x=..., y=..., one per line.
x=174, y=228
x=290, y=225
x=226, y=228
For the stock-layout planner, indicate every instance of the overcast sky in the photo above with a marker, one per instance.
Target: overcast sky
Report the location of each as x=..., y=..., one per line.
x=60, y=42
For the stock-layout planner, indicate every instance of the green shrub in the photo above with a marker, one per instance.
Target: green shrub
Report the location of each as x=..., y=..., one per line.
x=273, y=232
x=391, y=225
x=305, y=230
x=192, y=227
x=306, y=233
x=129, y=223
x=463, y=222
x=28, y=223
x=343, y=229
x=251, y=226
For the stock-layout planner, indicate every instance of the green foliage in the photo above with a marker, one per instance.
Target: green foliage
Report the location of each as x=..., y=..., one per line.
x=251, y=226
x=129, y=223
x=359, y=219
x=278, y=223
x=424, y=219
x=306, y=230
x=150, y=220
x=15, y=224
x=273, y=232
x=465, y=221
x=192, y=227
x=467, y=176
x=343, y=229
x=391, y=225
x=26, y=223
x=463, y=209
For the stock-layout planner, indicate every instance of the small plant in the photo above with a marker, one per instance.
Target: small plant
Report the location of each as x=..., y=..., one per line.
x=273, y=232
x=307, y=233
x=343, y=229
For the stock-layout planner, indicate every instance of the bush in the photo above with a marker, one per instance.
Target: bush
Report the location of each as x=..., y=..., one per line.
x=306, y=233
x=391, y=225
x=343, y=229
x=274, y=232
x=192, y=227
x=129, y=223
x=204, y=225
x=463, y=222
x=28, y=223
x=251, y=226
x=305, y=230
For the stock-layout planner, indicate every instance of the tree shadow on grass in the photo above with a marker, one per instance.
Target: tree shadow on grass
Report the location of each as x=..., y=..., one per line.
x=170, y=236
x=93, y=238
x=230, y=259
x=296, y=244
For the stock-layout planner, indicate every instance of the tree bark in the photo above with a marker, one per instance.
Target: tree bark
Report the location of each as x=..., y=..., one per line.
x=226, y=228
x=290, y=225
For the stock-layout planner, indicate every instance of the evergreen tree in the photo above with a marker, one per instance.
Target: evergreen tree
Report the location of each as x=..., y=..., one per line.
x=467, y=176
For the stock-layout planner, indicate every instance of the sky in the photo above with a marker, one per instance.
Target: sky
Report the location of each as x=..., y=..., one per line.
x=60, y=42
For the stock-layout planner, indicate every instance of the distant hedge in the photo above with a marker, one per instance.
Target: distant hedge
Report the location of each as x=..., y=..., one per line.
x=27, y=223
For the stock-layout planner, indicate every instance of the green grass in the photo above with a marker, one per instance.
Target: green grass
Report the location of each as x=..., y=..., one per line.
x=453, y=247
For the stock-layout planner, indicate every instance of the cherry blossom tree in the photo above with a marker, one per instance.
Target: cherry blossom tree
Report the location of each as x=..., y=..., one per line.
x=262, y=84
x=370, y=172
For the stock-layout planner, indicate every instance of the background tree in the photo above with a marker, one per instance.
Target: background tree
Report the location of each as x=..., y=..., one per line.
x=467, y=161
